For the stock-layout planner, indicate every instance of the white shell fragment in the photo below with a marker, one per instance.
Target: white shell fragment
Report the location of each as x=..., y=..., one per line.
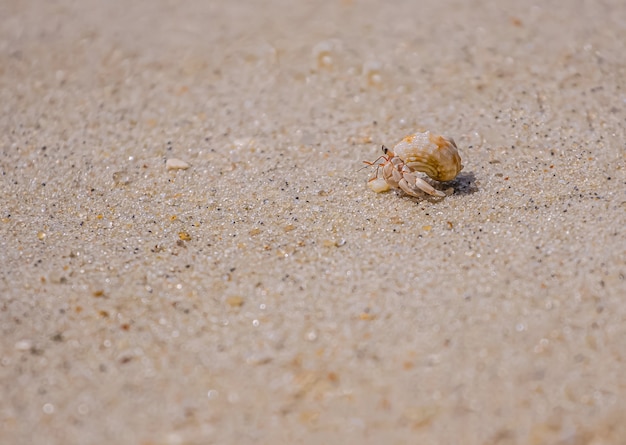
x=23, y=345
x=176, y=164
x=432, y=154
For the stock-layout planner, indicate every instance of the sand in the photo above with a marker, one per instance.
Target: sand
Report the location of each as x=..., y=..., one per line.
x=264, y=294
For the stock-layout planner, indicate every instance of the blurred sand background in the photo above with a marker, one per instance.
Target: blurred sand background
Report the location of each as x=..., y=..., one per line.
x=265, y=295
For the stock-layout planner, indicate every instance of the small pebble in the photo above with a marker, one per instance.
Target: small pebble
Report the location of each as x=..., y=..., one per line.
x=176, y=164
x=23, y=345
x=323, y=53
x=121, y=178
x=235, y=301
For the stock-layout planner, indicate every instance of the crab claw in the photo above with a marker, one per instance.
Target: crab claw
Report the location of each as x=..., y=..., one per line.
x=411, y=184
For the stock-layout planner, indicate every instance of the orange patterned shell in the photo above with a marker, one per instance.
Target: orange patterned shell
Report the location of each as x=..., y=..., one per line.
x=435, y=155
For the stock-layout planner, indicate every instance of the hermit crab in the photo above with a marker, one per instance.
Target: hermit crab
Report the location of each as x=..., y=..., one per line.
x=435, y=155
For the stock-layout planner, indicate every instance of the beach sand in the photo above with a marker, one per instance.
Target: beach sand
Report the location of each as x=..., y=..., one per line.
x=264, y=294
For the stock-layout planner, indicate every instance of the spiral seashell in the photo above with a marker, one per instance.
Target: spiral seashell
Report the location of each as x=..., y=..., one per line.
x=433, y=154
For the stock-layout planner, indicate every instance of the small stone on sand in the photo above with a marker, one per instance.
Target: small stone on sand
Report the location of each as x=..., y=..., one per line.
x=176, y=164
